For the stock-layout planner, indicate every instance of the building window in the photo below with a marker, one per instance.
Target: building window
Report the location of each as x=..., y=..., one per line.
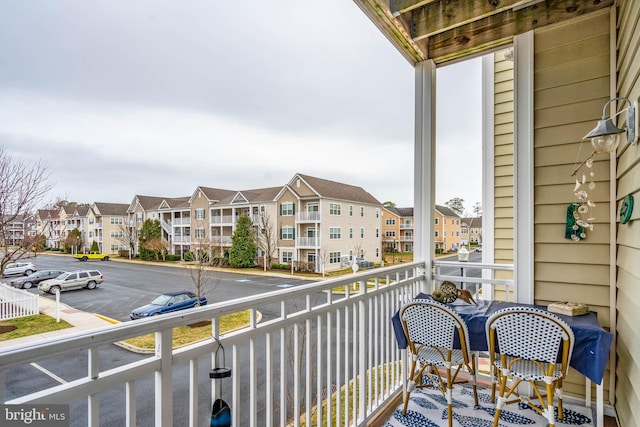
x=335, y=233
x=287, y=209
x=351, y=232
x=437, y=234
x=334, y=257
x=377, y=232
x=287, y=233
x=437, y=221
x=287, y=257
x=362, y=232
x=139, y=217
x=199, y=214
x=464, y=230
x=114, y=221
x=116, y=234
x=377, y=213
x=362, y=211
x=390, y=221
x=199, y=233
x=350, y=210
x=335, y=209
x=377, y=252
x=390, y=234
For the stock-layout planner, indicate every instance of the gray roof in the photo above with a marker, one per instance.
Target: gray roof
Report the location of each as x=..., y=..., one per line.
x=405, y=212
x=475, y=222
x=446, y=211
x=261, y=194
x=338, y=190
x=218, y=194
x=112, y=209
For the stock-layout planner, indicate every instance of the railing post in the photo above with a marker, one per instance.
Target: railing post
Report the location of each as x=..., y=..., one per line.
x=164, y=379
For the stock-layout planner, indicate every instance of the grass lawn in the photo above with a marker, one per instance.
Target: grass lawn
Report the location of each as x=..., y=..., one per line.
x=188, y=334
x=30, y=325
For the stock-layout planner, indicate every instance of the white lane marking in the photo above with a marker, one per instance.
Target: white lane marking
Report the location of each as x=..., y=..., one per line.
x=51, y=374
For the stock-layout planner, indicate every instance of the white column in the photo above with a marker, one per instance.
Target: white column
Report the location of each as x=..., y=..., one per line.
x=424, y=165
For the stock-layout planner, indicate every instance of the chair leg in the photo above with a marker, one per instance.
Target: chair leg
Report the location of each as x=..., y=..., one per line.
x=501, y=399
x=474, y=378
x=410, y=385
x=549, y=410
x=450, y=396
x=559, y=392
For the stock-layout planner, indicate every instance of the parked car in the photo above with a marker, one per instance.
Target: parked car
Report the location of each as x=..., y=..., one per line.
x=27, y=282
x=19, y=268
x=167, y=303
x=72, y=280
x=91, y=255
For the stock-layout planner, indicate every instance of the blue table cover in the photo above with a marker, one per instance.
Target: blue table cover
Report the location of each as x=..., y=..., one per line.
x=590, y=350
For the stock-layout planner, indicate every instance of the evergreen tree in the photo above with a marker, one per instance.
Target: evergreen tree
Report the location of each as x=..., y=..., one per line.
x=456, y=204
x=150, y=231
x=243, y=246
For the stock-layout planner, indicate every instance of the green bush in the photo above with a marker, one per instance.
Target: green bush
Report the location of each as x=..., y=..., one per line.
x=170, y=257
x=188, y=256
x=281, y=266
x=124, y=253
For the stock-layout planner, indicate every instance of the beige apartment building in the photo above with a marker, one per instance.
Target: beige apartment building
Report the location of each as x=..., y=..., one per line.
x=106, y=225
x=446, y=229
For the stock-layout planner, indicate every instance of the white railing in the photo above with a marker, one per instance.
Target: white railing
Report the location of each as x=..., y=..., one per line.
x=224, y=219
x=477, y=277
x=181, y=221
x=308, y=216
x=181, y=239
x=316, y=344
x=308, y=242
x=16, y=303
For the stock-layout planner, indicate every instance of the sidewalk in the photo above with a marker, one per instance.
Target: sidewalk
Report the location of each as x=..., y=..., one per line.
x=79, y=320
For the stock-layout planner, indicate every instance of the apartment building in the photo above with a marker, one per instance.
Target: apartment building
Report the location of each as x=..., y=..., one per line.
x=324, y=224
x=46, y=221
x=391, y=220
x=471, y=231
x=447, y=229
x=107, y=225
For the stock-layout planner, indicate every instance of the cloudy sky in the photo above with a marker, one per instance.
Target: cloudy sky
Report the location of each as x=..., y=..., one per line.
x=157, y=97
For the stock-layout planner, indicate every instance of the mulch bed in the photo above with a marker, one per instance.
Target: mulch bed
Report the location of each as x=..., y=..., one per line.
x=200, y=324
x=7, y=328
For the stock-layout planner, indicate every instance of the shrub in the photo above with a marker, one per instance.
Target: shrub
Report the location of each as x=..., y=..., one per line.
x=188, y=256
x=281, y=266
x=170, y=257
x=124, y=253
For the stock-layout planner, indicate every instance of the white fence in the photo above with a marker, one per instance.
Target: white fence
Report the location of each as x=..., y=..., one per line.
x=15, y=303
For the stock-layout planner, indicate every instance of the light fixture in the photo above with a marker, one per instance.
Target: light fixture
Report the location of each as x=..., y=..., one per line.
x=604, y=137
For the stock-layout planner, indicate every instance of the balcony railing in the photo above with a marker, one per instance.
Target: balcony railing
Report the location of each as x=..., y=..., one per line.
x=478, y=278
x=225, y=219
x=181, y=221
x=308, y=242
x=308, y=217
x=316, y=344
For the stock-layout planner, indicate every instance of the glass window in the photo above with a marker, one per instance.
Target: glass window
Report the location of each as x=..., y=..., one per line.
x=199, y=233
x=287, y=209
x=362, y=211
x=437, y=234
x=377, y=213
x=351, y=232
x=335, y=209
x=200, y=213
x=335, y=233
x=390, y=221
x=437, y=220
x=350, y=210
x=287, y=257
x=287, y=233
x=390, y=234
x=377, y=232
x=362, y=232
x=334, y=257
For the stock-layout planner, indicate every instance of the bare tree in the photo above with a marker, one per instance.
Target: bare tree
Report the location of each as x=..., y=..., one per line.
x=23, y=186
x=200, y=270
x=266, y=237
x=158, y=246
x=128, y=236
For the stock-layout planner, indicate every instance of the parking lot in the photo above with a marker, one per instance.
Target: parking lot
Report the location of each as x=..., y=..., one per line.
x=128, y=285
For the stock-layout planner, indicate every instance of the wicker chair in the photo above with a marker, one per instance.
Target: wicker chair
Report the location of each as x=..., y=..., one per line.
x=525, y=343
x=430, y=328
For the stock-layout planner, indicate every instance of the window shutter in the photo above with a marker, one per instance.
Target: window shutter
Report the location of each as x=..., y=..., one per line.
x=280, y=215
x=281, y=228
x=293, y=208
x=294, y=234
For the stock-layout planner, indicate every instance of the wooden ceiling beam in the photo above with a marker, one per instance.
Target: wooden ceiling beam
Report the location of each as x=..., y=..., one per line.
x=463, y=40
x=398, y=7
x=443, y=16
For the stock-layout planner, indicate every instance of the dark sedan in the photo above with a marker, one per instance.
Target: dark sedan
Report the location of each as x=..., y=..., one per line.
x=33, y=279
x=167, y=303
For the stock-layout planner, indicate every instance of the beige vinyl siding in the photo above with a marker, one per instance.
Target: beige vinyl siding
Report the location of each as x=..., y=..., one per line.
x=628, y=237
x=571, y=84
x=503, y=165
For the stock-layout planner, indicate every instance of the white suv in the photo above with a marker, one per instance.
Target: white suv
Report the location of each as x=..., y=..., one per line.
x=19, y=268
x=72, y=280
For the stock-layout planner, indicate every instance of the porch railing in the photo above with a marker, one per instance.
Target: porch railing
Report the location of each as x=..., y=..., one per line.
x=325, y=345
x=478, y=278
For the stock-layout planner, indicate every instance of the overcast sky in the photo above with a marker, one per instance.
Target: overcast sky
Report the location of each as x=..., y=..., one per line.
x=158, y=97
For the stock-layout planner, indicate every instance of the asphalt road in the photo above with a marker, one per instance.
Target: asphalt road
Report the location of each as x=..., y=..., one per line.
x=130, y=285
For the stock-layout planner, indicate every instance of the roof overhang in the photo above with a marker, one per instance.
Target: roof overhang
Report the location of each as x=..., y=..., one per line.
x=447, y=30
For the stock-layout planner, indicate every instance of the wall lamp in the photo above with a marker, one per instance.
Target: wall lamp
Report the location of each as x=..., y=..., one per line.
x=604, y=138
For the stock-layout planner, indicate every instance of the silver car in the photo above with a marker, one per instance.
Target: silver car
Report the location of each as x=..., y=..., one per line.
x=72, y=280
x=19, y=268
